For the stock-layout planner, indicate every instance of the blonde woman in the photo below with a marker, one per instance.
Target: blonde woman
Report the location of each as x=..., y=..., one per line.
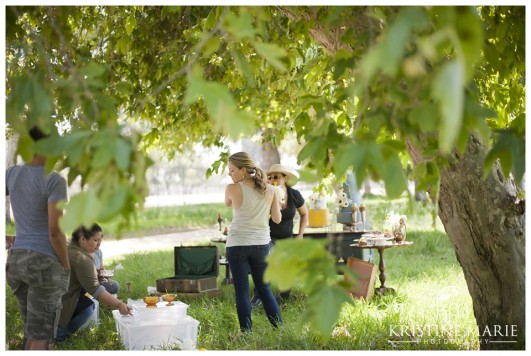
x=253, y=201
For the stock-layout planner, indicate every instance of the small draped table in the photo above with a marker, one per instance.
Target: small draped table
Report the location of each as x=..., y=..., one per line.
x=223, y=260
x=383, y=290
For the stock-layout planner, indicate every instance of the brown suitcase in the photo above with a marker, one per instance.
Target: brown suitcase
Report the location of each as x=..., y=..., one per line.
x=196, y=270
x=363, y=286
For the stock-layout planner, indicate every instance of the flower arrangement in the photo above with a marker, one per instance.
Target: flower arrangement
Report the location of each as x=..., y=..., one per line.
x=280, y=193
x=317, y=201
x=343, y=200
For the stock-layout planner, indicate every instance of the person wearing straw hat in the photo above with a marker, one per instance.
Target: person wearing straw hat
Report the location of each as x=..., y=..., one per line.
x=292, y=203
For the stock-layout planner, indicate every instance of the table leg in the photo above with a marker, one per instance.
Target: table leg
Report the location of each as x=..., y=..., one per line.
x=382, y=290
x=228, y=278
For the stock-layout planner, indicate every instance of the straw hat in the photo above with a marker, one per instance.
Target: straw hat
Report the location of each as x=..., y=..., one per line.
x=292, y=175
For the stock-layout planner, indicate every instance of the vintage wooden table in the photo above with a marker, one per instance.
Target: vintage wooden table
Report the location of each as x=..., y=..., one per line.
x=383, y=290
x=223, y=261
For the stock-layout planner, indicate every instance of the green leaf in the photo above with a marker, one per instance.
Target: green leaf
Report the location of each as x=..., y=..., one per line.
x=124, y=88
x=122, y=154
x=425, y=116
x=346, y=156
x=394, y=45
x=470, y=32
x=211, y=19
x=116, y=201
x=218, y=99
x=41, y=104
x=325, y=306
x=69, y=144
x=92, y=70
x=447, y=89
x=211, y=46
x=122, y=45
x=394, y=177
x=130, y=25
x=506, y=161
x=244, y=68
x=509, y=148
x=314, y=150
x=475, y=116
x=237, y=124
x=240, y=27
x=272, y=53
x=427, y=176
x=289, y=261
x=104, y=155
x=195, y=89
x=18, y=97
x=49, y=165
x=387, y=55
x=221, y=106
x=82, y=209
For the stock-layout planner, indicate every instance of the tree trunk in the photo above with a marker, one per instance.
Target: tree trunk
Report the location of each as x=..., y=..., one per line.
x=367, y=186
x=11, y=155
x=485, y=221
x=270, y=155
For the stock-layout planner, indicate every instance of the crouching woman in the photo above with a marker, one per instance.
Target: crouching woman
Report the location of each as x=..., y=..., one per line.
x=77, y=307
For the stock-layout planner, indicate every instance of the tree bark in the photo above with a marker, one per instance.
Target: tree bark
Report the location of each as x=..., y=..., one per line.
x=270, y=155
x=485, y=222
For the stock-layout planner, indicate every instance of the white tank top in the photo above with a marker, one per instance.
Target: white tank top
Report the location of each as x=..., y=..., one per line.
x=250, y=223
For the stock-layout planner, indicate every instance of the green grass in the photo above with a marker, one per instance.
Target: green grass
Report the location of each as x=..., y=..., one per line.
x=431, y=296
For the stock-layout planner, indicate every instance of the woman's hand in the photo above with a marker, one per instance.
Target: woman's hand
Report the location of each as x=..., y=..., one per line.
x=124, y=309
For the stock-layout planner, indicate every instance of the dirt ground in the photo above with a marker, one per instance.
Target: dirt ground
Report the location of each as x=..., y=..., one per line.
x=114, y=249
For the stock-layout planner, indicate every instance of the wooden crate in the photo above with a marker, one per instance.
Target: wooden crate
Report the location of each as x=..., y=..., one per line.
x=363, y=286
x=179, y=285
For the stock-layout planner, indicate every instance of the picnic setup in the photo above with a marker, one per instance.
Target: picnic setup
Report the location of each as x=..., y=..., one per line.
x=211, y=177
x=160, y=319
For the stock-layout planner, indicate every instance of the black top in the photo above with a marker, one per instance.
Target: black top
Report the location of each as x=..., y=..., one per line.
x=285, y=228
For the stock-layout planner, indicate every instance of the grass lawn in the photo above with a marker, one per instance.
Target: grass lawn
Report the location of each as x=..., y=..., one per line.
x=431, y=310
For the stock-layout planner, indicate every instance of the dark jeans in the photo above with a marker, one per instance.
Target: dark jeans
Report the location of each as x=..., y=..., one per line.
x=83, y=312
x=243, y=259
x=285, y=294
x=111, y=286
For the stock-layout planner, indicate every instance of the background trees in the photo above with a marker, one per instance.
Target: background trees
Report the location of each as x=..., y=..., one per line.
x=367, y=88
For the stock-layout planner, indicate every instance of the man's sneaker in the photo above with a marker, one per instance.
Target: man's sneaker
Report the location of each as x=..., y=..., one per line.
x=255, y=302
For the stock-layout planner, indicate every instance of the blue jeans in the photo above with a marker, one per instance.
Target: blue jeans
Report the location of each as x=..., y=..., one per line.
x=79, y=319
x=111, y=286
x=243, y=259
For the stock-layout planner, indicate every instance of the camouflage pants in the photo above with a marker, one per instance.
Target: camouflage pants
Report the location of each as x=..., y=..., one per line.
x=38, y=281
